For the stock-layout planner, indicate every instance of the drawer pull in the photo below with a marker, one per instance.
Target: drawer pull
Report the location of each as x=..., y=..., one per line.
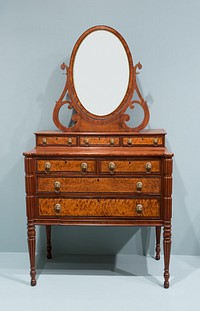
x=139, y=208
x=112, y=141
x=57, y=208
x=44, y=141
x=148, y=167
x=57, y=186
x=84, y=167
x=139, y=186
x=129, y=141
x=155, y=141
x=112, y=167
x=69, y=141
x=86, y=141
x=47, y=167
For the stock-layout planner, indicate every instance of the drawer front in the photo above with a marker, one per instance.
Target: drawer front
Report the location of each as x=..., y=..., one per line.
x=99, y=185
x=56, y=141
x=99, y=141
x=132, y=166
x=143, y=140
x=100, y=207
x=77, y=166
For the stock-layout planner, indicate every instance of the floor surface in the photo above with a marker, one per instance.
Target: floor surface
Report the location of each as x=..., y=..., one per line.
x=97, y=283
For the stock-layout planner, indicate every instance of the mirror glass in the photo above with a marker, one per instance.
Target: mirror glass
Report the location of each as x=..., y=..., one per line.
x=101, y=72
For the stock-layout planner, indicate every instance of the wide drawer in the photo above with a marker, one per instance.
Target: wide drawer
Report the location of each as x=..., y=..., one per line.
x=143, y=140
x=148, y=208
x=131, y=166
x=60, y=165
x=56, y=140
x=99, y=185
x=99, y=141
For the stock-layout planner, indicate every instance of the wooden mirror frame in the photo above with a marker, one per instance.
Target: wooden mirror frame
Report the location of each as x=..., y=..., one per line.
x=86, y=121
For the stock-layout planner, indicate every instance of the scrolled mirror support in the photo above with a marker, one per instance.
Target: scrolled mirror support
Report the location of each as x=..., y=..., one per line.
x=84, y=119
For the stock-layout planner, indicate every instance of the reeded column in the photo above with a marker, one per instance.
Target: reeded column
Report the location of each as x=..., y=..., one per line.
x=167, y=215
x=31, y=247
x=30, y=207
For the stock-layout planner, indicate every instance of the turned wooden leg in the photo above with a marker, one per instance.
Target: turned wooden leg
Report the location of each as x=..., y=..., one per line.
x=48, y=235
x=158, y=231
x=31, y=247
x=167, y=250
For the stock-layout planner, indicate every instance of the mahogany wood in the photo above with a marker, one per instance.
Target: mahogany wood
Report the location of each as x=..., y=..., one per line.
x=99, y=196
x=99, y=172
x=86, y=121
x=158, y=232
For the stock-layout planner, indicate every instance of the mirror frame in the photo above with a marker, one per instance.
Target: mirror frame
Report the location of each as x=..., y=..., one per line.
x=83, y=119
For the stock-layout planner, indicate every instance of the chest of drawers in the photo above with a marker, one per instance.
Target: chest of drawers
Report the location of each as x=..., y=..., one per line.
x=99, y=180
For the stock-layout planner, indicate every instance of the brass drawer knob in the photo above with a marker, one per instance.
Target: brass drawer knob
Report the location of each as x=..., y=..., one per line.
x=57, y=208
x=139, y=208
x=139, y=186
x=69, y=141
x=112, y=167
x=44, y=141
x=57, y=186
x=84, y=167
x=155, y=141
x=129, y=141
x=47, y=167
x=86, y=141
x=148, y=167
x=112, y=141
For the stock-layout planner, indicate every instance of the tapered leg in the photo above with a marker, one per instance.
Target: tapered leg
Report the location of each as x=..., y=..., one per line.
x=31, y=247
x=49, y=248
x=167, y=250
x=158, y=231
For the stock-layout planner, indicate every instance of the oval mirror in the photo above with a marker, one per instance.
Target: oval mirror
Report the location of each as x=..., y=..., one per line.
x=100, y=84
x=101, y=69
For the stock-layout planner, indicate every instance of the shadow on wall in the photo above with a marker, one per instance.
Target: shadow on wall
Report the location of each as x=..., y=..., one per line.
x=186, y=241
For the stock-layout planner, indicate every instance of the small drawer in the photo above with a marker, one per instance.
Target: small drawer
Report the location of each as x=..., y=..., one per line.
x=56, y=141
x=99, y=207
x=134, y=186
x=132, y=166
x=68, y=165
x=99, y=141
x=143, y=140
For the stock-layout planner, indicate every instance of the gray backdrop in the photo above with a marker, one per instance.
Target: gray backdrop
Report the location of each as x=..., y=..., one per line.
x=35, y=38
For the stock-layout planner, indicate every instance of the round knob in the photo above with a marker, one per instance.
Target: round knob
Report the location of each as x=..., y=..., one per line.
x=112, y=141
x=148, y=167
x=139, y=186
x=155, y=141
x=111, y=167
x=47, y=167
x=69, y=141
x=86, y=141
x=44, y=141
x=129, y=141
x=57, y=208
x=57, y=186
x=139, y=208
x=84, y=167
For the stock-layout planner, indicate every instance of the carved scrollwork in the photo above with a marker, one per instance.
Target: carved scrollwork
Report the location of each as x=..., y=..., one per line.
x=141, y=102
x=84, y=119
x=62, y=102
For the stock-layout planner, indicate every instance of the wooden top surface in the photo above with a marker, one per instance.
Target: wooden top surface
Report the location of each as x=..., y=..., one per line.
x=100, y=151
x=141, y=133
